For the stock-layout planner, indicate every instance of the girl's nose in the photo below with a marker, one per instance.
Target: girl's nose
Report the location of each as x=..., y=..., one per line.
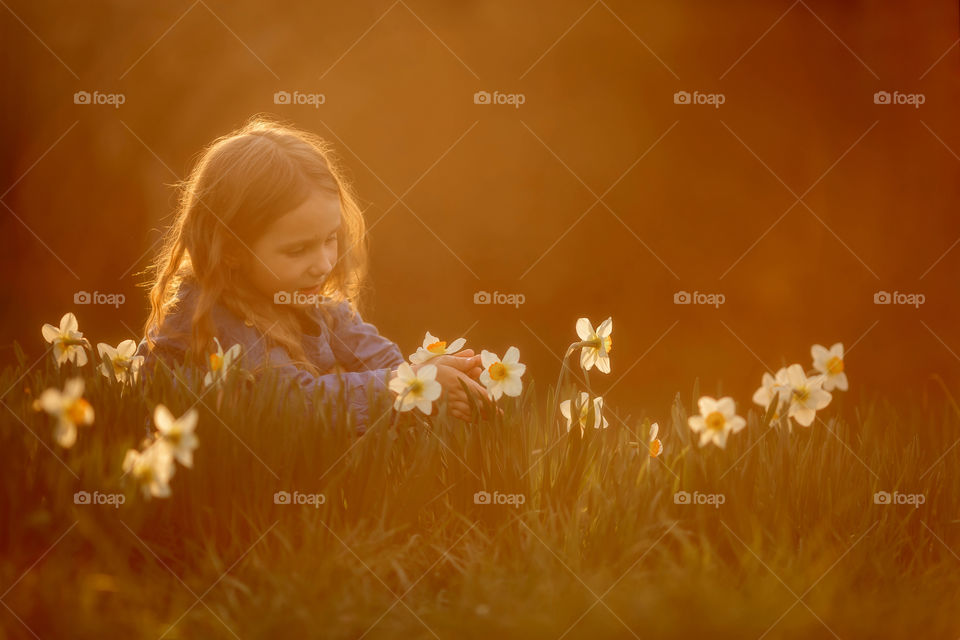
x=321, y=268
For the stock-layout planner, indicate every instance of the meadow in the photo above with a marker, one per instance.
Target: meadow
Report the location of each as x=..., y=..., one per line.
x=288, y=524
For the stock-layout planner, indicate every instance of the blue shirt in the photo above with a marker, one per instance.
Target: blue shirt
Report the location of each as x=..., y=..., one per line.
x=354, y=349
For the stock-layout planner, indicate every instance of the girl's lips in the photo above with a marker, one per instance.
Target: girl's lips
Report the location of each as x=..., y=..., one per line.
x=311, y=290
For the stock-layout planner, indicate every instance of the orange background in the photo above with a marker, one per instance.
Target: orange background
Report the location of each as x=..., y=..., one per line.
x=504, y=199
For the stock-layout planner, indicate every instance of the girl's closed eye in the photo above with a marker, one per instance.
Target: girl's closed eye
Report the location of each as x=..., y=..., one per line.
x=303, y=248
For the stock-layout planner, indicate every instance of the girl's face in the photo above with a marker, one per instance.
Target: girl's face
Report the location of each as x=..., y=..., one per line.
x=296, y=253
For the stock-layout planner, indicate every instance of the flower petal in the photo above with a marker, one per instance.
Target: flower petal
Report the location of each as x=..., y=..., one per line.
x=50, y=332
x=162, y=418
x=127, y=348
x=697, y=423
x=68, y=323
x=73, y=388
x=727, y=407
x=584, y=328
x=605, y=328
x=65, y=433
x=588, y=357
x=603, y=363
x=707, y=405
x=427, y=372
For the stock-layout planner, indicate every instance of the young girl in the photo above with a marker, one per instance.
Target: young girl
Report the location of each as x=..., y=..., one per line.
x=268, y=250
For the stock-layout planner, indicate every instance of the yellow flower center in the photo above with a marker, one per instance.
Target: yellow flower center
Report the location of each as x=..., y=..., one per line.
x=715, y=420
x=143, y=472
x=216, y=362
x=835, y=365
x=608, y=343
x=173, y=436
x=77, y=411
x=416, y=388
x=801, y=394
x=438, y=347
x=498, y=371
x=655, y=448
x=120, y=365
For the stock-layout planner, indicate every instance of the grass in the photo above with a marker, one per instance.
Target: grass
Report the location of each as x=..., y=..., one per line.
x=399, y=548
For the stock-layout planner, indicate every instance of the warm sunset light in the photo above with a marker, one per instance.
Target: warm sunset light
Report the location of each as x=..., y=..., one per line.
x=478, y=319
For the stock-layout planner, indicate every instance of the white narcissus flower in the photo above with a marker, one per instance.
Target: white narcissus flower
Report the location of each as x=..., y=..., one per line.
x=152, y=469
x=717, y=419
x=220, y=364
x=502, y=377
x=829, y=362
x=778, y=385
x=120, y=363
x=177, y=433
x=582, y=410
x=416, y=388
x=807, y=396
x=70, y=409
x=432, y=347
x=598, y=353
x=656, y=447
x=68, y=343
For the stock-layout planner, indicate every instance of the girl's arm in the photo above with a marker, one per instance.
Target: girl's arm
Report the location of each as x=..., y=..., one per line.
x=353, y=387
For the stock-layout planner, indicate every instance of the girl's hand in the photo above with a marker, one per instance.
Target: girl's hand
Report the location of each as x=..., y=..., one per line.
x=453, y=369
x=472, y=367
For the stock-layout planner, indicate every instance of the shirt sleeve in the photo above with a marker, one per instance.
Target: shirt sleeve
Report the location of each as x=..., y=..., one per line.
x=354, y=388
x=358, y=346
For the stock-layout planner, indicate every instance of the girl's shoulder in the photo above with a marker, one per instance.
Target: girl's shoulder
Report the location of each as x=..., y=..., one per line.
x=174, y=335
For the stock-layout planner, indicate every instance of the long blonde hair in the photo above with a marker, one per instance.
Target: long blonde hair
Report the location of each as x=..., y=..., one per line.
x=241, y=183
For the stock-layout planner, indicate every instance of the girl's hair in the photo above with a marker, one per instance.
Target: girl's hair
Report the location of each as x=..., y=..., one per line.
x=242, y=183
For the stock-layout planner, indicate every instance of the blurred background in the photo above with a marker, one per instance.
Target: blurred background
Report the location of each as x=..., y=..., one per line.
x=795, y=158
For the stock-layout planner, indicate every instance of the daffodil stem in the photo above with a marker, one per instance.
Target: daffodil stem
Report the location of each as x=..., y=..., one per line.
x=398, y=403
x=554, y=407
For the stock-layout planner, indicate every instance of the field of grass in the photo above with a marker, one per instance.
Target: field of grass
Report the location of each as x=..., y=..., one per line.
x=590, y=542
